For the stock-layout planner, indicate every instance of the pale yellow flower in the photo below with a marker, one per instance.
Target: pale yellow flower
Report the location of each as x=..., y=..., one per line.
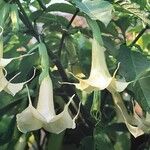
x=44, y=115
x=99, y=77
x=135, y=124
x=11, y=88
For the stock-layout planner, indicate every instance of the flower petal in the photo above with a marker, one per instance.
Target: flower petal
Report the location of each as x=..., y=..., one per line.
x=118, y=86
x=13, y=88
x=100, y=77
x=45, y=101
x=61, y=122
x=121, y=86
x=5, y=61
x=29, y=120
x=130, y=121
x=93, y=84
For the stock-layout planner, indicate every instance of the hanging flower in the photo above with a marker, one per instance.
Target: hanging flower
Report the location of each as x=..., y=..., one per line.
x=11, y=88
x=123, y=116
x=100, y=77
x=44, y=115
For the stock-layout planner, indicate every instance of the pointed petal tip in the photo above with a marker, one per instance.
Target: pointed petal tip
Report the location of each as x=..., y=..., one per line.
x=29, y=120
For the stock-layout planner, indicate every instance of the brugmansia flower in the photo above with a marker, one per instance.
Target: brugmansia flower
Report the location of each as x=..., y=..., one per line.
x=123, y=116
x=11, y=88
x=100, y=77
x=44, y=115
x=135, y=124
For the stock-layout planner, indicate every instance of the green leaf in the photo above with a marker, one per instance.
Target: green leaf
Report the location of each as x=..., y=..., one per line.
x=133, y=63
x=4, y=12
x=36, y=14
x=122, y=142
x=6, y=129
x=55, y=141
x=134, y=8
x=141, y=91
x=102, y=142
x=132, y=66
x=53, y=22
x=87, y=143
x=123, y=23
x=101, y=139
x=62, y=7
x=9, y=106
x=96, y=9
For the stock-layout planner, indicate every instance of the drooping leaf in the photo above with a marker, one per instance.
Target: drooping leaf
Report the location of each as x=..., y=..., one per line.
x=96, y=10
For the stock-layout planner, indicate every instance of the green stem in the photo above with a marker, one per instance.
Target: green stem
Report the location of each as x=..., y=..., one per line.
x=65, y=31
x=96, y=30
x=42, y=5
x=1, y=46
x=138, y=36
x=26, y=21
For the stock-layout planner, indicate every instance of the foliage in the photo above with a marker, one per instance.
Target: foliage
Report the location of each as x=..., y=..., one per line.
x=77, y=44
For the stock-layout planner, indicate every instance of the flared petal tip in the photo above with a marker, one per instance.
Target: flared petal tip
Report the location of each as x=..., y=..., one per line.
x=27, y=121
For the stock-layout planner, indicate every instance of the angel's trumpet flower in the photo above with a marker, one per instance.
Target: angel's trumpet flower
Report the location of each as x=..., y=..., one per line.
x=100, y=77
x=44, y=115
x=123, y=115
x=11, y=88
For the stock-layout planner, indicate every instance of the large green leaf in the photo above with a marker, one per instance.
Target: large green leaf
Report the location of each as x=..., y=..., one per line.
x=133, y=65
x=134, y=9
x=96, y=9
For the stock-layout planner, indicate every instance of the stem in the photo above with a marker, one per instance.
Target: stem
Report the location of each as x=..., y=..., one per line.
x=138, y=36
x=65, y=32
x=42, y=5
x=24, y=18
x=1, y=46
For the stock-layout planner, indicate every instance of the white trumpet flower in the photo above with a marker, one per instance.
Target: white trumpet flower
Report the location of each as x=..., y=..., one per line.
x=124, y=117
x=44, y=115
x=100, y=77
x=11, y=88
x=135, y=124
